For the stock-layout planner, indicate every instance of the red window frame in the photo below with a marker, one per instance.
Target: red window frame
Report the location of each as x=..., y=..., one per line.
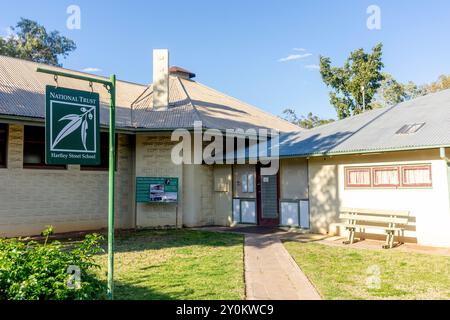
x=348, y=170
x=417, y=167
x=387, y=168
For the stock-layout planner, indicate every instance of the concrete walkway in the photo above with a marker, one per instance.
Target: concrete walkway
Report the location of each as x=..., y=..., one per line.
x=271, y=273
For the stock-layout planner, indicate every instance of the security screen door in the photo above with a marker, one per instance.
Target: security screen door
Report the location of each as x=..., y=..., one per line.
x=269, y=213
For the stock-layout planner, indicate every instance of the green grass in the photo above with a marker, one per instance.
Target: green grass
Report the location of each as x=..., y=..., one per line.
x=178, y=264
x=344, y=273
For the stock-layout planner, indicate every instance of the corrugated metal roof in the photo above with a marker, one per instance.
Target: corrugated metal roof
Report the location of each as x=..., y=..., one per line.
x=22, y=93
x=376, y=130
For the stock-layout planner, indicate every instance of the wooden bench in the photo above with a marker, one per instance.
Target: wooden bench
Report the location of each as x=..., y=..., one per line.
x=360, y=219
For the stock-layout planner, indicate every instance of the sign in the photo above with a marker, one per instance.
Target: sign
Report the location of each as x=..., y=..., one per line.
x=157, y=190
x=72, y=127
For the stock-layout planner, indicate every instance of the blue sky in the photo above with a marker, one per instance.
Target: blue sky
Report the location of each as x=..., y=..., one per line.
x=236, y=46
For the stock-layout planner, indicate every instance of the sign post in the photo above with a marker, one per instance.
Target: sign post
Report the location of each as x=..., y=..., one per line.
x=71, y=139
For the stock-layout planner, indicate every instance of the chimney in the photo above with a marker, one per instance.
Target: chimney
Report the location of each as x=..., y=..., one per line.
x=160, y=79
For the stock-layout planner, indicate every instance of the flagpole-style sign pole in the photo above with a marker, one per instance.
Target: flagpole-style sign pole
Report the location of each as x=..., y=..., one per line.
x=72, y=131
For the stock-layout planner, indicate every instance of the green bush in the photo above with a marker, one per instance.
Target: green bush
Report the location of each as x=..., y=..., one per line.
x=34, y=271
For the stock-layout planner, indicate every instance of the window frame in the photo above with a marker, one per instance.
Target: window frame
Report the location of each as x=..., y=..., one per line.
x=400, y=168
x=416, y=167
x=386, y=168
x=357, y=169
x=4, y=165
x=42, y=165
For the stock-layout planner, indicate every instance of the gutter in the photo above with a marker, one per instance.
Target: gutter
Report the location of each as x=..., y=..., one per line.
x=35, y=121
x=443, y=154
x=365, y=152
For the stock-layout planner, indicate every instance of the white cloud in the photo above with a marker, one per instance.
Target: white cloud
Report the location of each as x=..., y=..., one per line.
x=295, y=57
x=91, y=70
x=312, y=67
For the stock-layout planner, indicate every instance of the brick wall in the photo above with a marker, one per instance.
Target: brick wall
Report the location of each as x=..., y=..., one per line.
x=70, y=200
x=153, y=159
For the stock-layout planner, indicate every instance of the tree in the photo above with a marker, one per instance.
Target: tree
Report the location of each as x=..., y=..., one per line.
x=361, y=70
x=393, y=92
x=308, y=122
x=32, y=42
x=443, y=83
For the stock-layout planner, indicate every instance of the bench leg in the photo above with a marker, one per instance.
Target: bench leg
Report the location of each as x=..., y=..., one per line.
x=389, y=240
x=391, y=244
x=351, y=236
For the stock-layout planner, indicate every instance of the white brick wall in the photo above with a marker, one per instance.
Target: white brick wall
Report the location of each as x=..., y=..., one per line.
x=70, y=200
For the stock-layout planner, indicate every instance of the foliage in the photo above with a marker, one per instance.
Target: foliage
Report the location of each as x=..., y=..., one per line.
x=361, y=70
x=442, y=83
x=31, y=41
x=348, y=273
x=34, y=271
x=393, y=92
x=308, y=122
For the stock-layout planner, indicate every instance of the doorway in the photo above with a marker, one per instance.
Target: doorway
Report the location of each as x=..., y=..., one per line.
x=268, y=194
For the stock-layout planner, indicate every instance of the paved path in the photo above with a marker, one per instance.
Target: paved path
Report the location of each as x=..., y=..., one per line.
x=271, y=273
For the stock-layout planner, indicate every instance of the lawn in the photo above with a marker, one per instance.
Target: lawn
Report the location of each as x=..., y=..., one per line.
x=347, y=273
x=178, y=264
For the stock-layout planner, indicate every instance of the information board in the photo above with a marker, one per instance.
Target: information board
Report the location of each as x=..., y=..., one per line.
x=156, y=190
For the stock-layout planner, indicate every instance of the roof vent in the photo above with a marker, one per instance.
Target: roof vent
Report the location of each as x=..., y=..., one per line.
x=410, y=128
x=182, y=73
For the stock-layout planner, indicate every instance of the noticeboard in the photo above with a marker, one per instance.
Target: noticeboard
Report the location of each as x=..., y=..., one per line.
x=72, y=127
x=156, y=190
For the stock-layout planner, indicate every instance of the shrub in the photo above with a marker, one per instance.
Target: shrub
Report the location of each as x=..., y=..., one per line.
x=34, y=271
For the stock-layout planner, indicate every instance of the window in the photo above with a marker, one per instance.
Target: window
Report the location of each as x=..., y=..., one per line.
x=410, y=128
x=386, y=177
x=248, y=183
x=358, y=177
x=34, y=149
x=401, y=176
x=104, y=154
x=251, y=183
x=3, y=144
x=416, y=176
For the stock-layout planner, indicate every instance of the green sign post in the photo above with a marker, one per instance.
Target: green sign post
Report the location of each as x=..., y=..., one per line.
x=86, y=142
x=72, y=127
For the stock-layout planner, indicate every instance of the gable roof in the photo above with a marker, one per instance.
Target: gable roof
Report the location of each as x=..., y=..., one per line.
x=376, y=130
x=22, y=94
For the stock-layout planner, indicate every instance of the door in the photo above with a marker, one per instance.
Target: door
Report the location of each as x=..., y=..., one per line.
x=244, y=194
x=268, y=195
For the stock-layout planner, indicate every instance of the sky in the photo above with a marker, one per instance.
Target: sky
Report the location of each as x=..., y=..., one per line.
x=263, y=52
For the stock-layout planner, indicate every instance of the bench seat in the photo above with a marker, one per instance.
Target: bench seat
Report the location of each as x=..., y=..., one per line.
x=361, y=226
x=389, y=221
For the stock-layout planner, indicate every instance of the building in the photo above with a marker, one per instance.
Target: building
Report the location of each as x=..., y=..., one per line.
x=394, y=158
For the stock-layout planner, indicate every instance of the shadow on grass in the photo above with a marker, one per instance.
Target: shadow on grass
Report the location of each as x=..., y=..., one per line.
x=127, y=291
x=164, y=239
